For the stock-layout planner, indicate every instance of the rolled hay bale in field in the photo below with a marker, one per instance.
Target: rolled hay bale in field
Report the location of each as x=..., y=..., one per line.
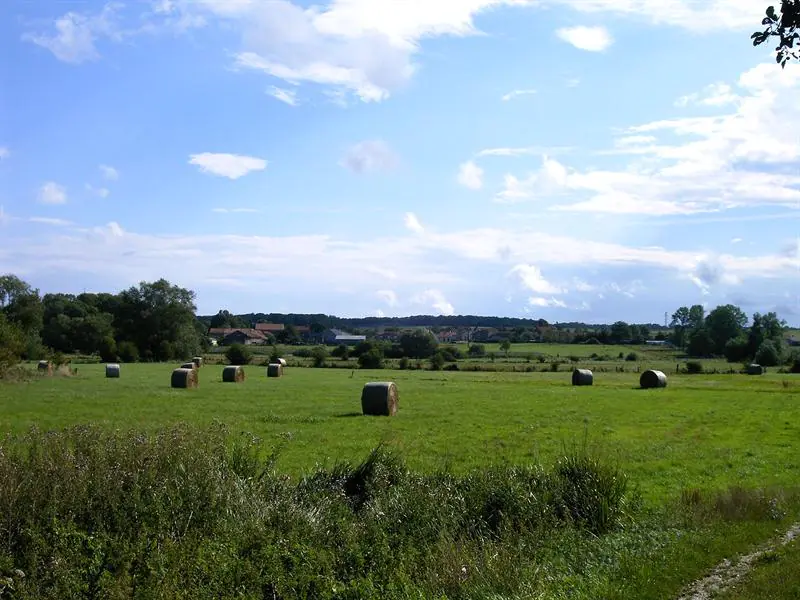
x=275, y=370
x=582, y=377
x=184, y=378
x=198, y=361
x=112, y=370
x=188, y=365
x=379, y=399
x=45, y=367
x=652, y=379
x=754, y=369
x=233, y=374
x=283, y=362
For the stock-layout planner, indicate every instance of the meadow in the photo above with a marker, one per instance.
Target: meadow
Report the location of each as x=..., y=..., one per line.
x=709, y=464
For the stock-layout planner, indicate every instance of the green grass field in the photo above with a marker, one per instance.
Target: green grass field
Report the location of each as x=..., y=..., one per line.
x=706, y=431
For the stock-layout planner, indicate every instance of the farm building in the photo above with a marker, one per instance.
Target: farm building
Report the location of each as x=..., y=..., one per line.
x=335, y=337
x=270, y=327
x=227, y=336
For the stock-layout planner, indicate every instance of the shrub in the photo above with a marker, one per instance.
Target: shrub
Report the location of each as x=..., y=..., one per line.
x=694, y=367
x=437, y=362
x=768, y=354
x=632, y=357
x=477, y=350
x=452, y=367
x=341, y=351
x=128, y=352
x=794, y=362
x=404, y=363
x=319, y=355
x=371, y=360
x=573, y=358
x=555, y=365
x=238, y=354
x=108, y=349
x=736, y=349
x=451, y=353
x=302, y=352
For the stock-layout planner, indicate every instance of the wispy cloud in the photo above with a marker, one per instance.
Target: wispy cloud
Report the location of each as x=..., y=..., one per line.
x=235, y=210
x=412, y=223
x=101, y=192
x=109, y=173
x=369, y=156
x=284, y=95
x=51, y=221
x=4, y=152
x=517, y=93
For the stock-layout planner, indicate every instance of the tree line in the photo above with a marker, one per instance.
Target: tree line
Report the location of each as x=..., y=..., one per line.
x=154, y=321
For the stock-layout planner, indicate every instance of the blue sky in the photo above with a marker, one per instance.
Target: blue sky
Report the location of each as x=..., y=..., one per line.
x=587, y=160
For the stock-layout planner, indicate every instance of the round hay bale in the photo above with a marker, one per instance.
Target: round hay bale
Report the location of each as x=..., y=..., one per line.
x=379, y=399
x=45, y=366
x=198, y=361
x=582, y=377
x=184, y=378
x=274, y=370
x=653, y=379
x=112, y=370
x=755, y=369
x=188, y=365
x=283, y=362
x=233, y=374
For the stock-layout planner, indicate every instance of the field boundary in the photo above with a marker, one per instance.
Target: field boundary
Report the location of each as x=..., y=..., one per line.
x=726, y=573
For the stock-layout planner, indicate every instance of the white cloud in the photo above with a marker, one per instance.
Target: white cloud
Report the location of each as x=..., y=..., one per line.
x=284, y=95
x=546, y=302
x=592, y=39
x=388, y=296
x=470, y=175
x=517, y=93
x=101, y=192
x=715, y=94
x=369, y=156
x=52, y=193
x=436, y=300
x=4, y=216
x=232, y=166
x=109, y=173
x=412, y=223
x=550, y=180
x=76, y=33
x=581, y=286
x=532, y=279
x=50, y=221
x=235, y=210
x=573, y=82
x=4, y=152
x=709, y=164
x=380, y=314
x=736, y=240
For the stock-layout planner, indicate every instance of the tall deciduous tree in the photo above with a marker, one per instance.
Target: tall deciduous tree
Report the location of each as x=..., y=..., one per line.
x=785, y=27
x=725, y=323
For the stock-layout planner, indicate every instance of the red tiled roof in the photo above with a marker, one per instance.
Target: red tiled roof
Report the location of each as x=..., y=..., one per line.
x=270, y=326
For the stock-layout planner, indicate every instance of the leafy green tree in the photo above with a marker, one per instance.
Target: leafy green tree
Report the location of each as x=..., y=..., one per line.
x=620, y=331
x=737, y=349
x=226, y=320
x=341, y=351
x=108, y=349
x=768, y=354
x=418, y=344
x=11, y=343
x=437, y=361
x=700, y=343
x=12, y=287
x=786, y=27
x=128, y=352
x=765, y=327
x=505, y=346
x=725, y=323
x=477, y=350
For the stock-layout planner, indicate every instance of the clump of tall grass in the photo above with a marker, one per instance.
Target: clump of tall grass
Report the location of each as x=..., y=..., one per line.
x=185, y=513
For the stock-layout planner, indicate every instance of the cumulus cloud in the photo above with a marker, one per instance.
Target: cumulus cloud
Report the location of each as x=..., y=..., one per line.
x=531, y=277
x=412, y=223
x=546, y=302
x=100, y=192
x=109, y=173
x=74, y=36
x=52, y=193
x=4, y=152
x=232, y=166
x=470, y=175
x=591, y=39
x=436, y=300
x=709, y=163
x=369, y=156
